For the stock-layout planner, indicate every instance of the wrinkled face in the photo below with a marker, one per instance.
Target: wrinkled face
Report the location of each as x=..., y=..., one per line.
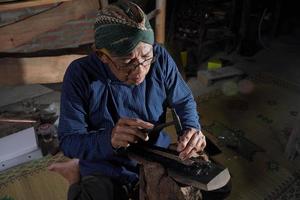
x=132, y=68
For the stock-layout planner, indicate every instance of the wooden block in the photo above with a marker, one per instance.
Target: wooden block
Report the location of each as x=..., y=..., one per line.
x=155, y=184
x=208, y=77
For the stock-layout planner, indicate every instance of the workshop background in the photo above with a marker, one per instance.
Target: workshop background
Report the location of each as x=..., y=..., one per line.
x=240, y=58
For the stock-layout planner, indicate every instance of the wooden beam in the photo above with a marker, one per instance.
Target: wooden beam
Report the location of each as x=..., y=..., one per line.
x=27, y=4
x=24, y=31
x=160, y=21
x=37, y=70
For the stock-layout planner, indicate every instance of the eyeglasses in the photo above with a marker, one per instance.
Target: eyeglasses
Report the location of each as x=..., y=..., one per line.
x=133, y=66
x=127, y=68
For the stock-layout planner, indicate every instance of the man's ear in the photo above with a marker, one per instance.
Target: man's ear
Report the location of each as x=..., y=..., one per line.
x=102, y=57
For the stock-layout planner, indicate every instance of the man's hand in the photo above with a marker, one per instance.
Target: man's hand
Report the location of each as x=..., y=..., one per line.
x=129, y=130
x=192, y=141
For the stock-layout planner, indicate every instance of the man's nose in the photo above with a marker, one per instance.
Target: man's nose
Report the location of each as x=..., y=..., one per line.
x=138, y=67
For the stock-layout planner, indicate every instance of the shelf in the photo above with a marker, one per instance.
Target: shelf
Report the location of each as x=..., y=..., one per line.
x=14, y=5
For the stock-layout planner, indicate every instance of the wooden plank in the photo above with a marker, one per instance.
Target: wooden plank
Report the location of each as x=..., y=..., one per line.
x=160, y=21
x=24, y=31
x=27, y=4
x=14, y=71
x=13, y=94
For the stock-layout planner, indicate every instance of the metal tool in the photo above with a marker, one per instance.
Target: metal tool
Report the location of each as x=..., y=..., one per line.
x=194, y=171
x=160, y=127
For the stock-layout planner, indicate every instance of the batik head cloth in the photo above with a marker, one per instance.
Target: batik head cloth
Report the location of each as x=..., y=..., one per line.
x=120, y=27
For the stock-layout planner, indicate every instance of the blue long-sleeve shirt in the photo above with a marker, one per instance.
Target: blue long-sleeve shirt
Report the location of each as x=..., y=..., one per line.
x=93, y=99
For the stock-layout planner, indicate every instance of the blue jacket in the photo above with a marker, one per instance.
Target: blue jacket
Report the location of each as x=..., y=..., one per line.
x=93, y=100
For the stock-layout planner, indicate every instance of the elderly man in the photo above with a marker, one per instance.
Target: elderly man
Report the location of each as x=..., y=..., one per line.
x=109, y=96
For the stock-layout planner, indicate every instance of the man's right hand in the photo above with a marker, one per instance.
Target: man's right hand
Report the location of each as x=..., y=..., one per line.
x=129, y=130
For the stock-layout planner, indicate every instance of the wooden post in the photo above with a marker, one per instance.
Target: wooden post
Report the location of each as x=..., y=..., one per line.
x=160, y=21
x=104, y=3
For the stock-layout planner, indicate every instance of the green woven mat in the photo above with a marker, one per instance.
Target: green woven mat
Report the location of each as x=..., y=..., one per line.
x=28, y=169
x=6, y=198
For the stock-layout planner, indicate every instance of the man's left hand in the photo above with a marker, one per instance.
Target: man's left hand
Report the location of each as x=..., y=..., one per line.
x=191, y=142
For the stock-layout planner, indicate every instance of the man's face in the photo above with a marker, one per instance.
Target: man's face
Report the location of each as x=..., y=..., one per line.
x=133, y=68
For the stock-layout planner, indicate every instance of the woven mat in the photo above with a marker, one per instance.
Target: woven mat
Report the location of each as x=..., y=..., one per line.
x=33, y=181
x=289, y=190
x=262, y=121
x=264, y=118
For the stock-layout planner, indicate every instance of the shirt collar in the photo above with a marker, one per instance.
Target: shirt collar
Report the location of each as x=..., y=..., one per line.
x=104, y=69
